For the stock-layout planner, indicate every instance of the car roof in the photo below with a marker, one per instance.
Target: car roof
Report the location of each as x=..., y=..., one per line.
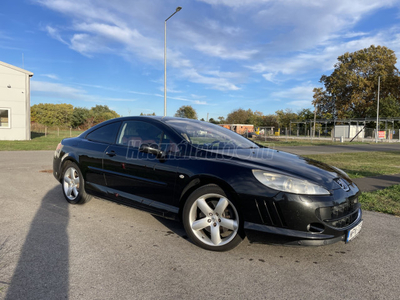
x=163, y=119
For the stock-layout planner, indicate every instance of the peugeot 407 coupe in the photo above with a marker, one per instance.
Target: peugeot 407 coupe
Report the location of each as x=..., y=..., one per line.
x=216, y=182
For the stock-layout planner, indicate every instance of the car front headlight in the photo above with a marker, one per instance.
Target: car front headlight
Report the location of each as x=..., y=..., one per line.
x=288, y=184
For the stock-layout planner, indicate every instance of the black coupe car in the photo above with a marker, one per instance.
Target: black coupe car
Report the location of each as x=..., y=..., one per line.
x=218, y=183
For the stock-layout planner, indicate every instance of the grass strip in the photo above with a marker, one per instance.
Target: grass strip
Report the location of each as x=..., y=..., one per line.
x=39, y=141
x=385, y=201
x=363, y=164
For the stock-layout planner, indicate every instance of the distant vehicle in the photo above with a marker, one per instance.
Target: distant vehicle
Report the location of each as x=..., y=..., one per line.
x=250, y=135
x=219, y=186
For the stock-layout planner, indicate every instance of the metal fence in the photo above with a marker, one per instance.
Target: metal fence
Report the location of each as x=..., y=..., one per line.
x=359, y=134
x=40, y=130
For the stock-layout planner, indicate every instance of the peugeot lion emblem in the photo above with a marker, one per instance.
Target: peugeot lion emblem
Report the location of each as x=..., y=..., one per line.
x=343, y=184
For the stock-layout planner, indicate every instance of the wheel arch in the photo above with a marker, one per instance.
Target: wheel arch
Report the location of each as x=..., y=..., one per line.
x=203, y=180
x=66, y=158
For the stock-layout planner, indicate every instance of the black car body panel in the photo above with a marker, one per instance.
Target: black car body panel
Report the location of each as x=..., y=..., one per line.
x=161, y=184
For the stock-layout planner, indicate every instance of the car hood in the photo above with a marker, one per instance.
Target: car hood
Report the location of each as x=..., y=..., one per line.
x=284, y=163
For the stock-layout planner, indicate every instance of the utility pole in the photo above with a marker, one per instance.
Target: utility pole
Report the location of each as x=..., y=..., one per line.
x=377, y=112
x=165, y=59
x=315, y=119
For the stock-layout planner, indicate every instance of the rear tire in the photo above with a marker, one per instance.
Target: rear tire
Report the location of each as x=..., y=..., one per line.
x=211, y=219
x=73, y=185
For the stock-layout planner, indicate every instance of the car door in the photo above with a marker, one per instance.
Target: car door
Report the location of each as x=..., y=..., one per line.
x=91, y=152
x=146, y=180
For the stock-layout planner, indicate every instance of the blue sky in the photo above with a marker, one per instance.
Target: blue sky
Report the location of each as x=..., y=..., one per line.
x=222, y=54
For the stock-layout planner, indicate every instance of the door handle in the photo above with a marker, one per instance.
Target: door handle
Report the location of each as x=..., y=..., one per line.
x=111, y=153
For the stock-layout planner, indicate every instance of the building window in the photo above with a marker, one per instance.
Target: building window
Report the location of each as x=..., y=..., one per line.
x=5, y=118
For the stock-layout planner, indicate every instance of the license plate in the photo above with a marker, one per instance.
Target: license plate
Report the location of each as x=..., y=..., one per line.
x=352, y=233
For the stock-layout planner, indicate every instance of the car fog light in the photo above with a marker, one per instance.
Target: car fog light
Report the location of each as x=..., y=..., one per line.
x=316, y=228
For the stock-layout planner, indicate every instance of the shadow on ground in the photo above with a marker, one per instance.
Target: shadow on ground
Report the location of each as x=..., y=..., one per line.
x=35, y=134
x=253, y=237
x=42, y=270
x=174, y=226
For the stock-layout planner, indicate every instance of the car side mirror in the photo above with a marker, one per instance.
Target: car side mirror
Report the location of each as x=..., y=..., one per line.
x=146, y=148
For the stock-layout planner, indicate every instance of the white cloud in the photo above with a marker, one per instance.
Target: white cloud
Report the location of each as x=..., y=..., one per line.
x=236, y=3
x=324, y=58
x=4, y=36
x=65, y=92
x=223, y=52
x=51, y=76
x=269, y=77
x=218, y=83
x=194, y=101
x=297, y=93
x=197, y=96
x=299, y=103
x=279, y=40
x=57, y=88
x=350, y=35
x=82, y=9
x=55, y=34
x=198, y=102
x=216, y=26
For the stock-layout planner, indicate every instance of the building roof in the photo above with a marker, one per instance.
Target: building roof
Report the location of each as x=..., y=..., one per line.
x=16, y=68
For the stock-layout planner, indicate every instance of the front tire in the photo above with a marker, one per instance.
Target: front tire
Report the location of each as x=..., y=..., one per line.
x=211, y=219
x=73, y=184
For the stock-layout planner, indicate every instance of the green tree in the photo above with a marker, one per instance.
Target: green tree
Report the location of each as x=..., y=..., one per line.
x=239, y=116
x=186, y=111
x=79, y=116
x=305, y=114
x=389, y=107
x=285, y=116
x=255, y=118
x=213, y=121
x=351, y=90
x=100, y=113
x=52, y=114
x=270, y=120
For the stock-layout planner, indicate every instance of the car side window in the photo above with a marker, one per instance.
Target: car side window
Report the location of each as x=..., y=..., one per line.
x=135, y=133
x=105, y=134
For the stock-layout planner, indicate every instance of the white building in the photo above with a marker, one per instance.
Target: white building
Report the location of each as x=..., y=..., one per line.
x=15, y=103
x=349, y=131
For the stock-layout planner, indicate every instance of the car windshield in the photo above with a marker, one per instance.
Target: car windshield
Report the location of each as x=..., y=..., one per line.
x=209, y=136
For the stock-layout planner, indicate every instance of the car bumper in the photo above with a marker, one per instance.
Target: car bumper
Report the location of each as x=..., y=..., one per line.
x=309, y=220
x=57, y=165
x=302, y=237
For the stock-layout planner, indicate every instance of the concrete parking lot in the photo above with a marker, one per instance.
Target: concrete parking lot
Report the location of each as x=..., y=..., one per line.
x=52, y=250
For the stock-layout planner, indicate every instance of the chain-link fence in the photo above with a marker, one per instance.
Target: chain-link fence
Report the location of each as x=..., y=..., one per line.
x=335, y=133
x=61, y=131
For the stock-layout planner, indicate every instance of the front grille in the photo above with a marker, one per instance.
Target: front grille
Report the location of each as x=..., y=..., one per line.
x=339, y=216
x=343, y=222
x=270, y=213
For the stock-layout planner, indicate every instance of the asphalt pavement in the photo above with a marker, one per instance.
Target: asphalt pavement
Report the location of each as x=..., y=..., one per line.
x=369, y=184
x=52, y=250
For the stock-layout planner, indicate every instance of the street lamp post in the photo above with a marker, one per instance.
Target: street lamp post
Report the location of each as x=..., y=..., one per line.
x=165, y=59
x=377, y=112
